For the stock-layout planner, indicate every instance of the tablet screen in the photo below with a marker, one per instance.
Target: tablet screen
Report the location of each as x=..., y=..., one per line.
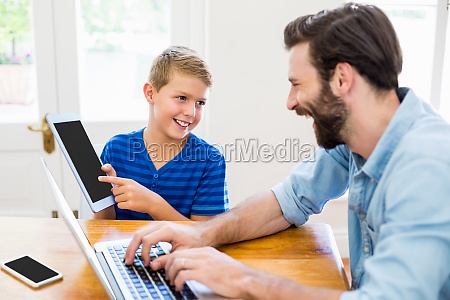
x=84, y=158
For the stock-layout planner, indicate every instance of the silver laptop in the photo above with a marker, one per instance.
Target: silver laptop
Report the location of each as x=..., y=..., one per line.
x=121, y=281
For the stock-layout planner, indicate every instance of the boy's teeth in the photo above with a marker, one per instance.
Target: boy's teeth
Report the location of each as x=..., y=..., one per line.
x=182, y=123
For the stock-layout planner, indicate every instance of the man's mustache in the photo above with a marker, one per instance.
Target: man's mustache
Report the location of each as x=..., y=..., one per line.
x=302, y=111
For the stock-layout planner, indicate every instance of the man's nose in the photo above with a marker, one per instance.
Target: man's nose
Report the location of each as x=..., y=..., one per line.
x=291, y=102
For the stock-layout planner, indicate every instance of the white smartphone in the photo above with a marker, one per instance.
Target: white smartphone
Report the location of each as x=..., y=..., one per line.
x=31, y=271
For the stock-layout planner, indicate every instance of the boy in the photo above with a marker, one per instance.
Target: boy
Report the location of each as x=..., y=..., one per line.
x=163, y=171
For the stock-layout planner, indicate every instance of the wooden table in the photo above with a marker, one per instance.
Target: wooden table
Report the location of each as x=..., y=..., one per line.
x=307, y=255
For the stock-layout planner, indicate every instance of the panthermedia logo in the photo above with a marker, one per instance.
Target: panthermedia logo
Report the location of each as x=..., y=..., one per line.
x=240, y=150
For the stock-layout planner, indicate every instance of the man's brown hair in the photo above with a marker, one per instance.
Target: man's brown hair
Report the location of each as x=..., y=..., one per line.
x=361, y=35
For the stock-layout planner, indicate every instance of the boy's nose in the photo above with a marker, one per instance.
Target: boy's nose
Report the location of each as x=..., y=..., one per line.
x=189, y=110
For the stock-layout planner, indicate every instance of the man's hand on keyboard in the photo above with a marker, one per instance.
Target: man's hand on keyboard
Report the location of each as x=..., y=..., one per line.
x=180, y=236
x=218, y=271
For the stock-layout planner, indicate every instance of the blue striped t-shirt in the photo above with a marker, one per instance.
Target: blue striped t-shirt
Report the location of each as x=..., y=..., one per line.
x=193, y=182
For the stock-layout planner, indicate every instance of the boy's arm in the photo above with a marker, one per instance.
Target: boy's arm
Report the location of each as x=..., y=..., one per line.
x=160, y=209
x=201, y=218
x=108, y=213
x=131, y=195
x=211, y=195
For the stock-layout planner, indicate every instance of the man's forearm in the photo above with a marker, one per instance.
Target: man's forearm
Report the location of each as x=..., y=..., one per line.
x=259, y=215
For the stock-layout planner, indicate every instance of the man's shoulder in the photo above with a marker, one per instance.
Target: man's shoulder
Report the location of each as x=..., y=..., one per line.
x=429, y=137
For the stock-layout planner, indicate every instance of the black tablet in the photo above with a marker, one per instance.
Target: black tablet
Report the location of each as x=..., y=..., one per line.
x=82, y=159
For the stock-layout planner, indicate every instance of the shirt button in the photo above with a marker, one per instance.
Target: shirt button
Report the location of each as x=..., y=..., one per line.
x=366, y=249
x=153, y=185
x=155, y=176
x=372, y=180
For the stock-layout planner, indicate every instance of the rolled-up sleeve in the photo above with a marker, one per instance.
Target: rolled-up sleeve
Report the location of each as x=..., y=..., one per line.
x=312, y=183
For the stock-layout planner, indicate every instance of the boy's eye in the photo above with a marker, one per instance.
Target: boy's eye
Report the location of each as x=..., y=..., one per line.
x=201, y=103
x=182, y=98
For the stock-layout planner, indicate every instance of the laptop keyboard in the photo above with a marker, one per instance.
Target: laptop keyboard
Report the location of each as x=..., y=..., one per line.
x=145, y=283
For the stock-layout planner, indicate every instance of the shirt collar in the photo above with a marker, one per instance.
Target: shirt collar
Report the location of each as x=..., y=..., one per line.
x=402, y=120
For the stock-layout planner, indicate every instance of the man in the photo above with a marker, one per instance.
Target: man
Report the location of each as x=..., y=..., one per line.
x=383, y=144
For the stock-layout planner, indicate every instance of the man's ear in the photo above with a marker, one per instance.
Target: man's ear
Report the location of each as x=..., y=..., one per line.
x=149, y=91
x=342, y=79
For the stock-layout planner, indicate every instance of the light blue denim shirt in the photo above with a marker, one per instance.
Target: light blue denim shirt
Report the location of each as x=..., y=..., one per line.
x=399, y=205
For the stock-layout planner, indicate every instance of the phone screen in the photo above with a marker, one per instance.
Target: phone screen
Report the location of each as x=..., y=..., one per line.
x=84, y=158
x=31, y=269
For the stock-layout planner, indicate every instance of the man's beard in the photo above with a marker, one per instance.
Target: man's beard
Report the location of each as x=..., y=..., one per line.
x=330, y=116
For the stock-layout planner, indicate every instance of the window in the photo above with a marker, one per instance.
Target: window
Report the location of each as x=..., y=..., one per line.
x=444, y=107
x=18, y=99
x=421, y=27
x=118, y=41
x=417, y=44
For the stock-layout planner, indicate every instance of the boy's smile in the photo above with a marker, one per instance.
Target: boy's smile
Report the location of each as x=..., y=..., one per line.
x=182, y=124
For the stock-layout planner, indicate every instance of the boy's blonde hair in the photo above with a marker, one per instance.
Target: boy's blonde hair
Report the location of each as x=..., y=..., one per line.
x=178, y=59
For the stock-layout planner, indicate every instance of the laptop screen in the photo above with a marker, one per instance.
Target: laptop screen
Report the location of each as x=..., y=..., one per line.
x=76, y=229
